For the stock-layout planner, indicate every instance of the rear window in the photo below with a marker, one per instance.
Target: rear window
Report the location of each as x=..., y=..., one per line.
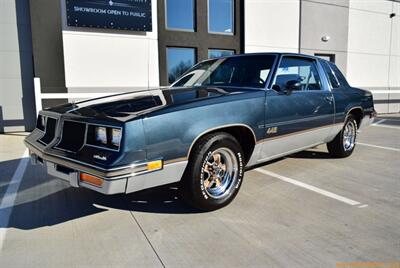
x=331, y=75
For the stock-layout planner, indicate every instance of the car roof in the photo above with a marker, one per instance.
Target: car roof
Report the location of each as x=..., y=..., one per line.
x=268, y=53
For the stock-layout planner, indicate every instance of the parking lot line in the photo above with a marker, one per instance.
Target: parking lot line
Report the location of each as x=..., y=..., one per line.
x=309, y=187
x=378, y=122
x=380, y=147
x=386, y=126
x=8, y=200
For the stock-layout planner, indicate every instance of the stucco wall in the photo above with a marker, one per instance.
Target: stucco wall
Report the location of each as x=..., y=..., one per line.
x=325, y=18
x=373, y=52
x=111, y=59
x=271, y=25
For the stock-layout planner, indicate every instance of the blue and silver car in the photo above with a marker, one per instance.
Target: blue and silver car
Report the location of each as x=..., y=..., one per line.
x=220, y=117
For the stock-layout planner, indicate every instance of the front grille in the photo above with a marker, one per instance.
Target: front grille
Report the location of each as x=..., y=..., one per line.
x=50, y=130
x=73, y=136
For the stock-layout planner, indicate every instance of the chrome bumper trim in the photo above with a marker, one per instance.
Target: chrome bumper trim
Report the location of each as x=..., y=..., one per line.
x=106, y=174
x=169, y=174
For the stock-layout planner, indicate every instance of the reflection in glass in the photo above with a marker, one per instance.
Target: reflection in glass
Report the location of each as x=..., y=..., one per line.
x=220, y=18
x=179, y=60
x=302, y=71
x=217, y=53
x=249, y=71
x=180, y=14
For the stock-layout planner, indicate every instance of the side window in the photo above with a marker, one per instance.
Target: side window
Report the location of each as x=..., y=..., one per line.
x=330, y=74
x=338, y=74
x=296, y=73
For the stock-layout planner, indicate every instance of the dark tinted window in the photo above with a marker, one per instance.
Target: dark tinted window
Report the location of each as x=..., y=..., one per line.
x=300, y=70
x=331, y=75
x=338, y=74
x=247, y=71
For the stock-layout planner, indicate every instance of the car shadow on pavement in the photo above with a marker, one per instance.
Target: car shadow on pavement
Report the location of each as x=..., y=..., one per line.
x=311, y=154
x=43, y=200
x=46, y=201
x=72, y=203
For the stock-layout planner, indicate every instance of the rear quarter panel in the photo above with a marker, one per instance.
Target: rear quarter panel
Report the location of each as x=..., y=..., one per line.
x=347, y=98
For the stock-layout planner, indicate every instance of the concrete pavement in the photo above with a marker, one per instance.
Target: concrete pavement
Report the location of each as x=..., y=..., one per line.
x=271, y=223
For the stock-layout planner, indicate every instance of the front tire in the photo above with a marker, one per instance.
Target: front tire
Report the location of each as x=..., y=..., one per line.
x=344, y=143
x=214, y=173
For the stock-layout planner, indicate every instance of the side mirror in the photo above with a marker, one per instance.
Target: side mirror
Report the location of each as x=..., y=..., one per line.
x=292, y=85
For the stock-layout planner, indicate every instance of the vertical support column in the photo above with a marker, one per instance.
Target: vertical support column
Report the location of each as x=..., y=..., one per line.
x=38, y=94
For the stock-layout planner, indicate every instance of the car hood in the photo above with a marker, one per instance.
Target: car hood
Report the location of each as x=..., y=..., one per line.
x=127, y=106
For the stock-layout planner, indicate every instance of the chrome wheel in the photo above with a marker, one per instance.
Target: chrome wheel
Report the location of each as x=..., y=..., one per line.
x=349, y=135
x=220, y=172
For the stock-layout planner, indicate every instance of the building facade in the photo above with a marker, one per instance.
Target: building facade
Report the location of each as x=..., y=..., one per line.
x=77, y=52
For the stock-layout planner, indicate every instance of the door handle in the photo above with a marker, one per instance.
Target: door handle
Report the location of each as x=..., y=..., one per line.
x=329, y=99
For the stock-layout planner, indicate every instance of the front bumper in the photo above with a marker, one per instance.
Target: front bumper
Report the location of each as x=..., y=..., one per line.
x=126, y=179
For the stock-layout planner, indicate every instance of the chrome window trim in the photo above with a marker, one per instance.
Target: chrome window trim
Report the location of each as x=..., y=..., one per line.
x=233, y=20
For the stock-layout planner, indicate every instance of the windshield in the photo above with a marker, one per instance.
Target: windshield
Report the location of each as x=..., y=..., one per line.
x=245, y=71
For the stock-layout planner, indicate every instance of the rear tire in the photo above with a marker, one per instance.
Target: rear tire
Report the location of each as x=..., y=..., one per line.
x=344, y=143
x=214, y=173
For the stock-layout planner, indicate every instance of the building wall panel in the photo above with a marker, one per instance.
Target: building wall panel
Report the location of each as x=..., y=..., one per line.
x=272, y=25
x=98, y=58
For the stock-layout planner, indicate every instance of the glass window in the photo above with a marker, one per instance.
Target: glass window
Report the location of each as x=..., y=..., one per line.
x=217, y=53
x=338, y=74
x=297, y=74
x=220, y=16
x=179, y=60
x=246, y=71
x=328, y=57
x=180, y=14
x=331, y=75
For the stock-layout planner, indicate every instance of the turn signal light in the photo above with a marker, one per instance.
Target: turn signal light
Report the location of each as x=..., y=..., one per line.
x=91, y=179
x=154, y=165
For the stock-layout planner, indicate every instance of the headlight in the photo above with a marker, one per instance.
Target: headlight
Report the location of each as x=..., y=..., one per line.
x=115, y=137
x=104, y=136
x=101, y=135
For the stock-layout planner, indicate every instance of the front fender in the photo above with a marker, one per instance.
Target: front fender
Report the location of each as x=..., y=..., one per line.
x=171, y=135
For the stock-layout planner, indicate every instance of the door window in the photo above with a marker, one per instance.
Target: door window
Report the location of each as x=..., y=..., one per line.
x=296, y=73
